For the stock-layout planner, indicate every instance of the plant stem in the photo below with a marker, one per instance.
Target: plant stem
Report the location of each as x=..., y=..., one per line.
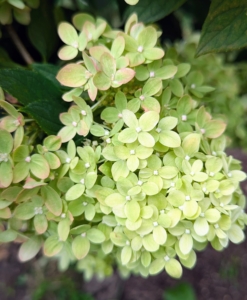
x=19, y=45
x=95, y=106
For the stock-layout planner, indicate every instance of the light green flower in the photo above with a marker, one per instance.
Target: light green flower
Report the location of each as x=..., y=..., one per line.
x=140, y=45
x=139, y=129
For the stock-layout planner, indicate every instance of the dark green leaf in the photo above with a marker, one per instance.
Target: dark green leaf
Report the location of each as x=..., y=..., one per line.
x=180, y=292
x=152, y=11
x=5, y=60
x=225, y=28
x=42, y=29
x=28, y=86
x=46, y=114
x=48, y=71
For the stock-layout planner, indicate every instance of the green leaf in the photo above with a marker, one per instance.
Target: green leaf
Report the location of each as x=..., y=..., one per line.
x=42, y=34
x=149, y=12
x=28, y=86
x=225, y=27
x=180, y=291
x=30, y=248
x=49, y=71
x=46, y=114
x=41, y=97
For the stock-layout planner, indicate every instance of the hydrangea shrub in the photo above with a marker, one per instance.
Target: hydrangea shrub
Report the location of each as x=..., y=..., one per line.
x=149, y=185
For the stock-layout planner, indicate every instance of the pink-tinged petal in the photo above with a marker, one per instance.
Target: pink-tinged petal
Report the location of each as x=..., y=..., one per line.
x=214, y=128
x=108, y=64
x=72, y=75
x=67, y=53
x=97, y=51
x=123, y=76
x=135, y=59
x=92, y=90
x=101, y=81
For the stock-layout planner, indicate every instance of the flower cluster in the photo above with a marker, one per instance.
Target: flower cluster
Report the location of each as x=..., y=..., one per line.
x=216, y=70
x=150, y=185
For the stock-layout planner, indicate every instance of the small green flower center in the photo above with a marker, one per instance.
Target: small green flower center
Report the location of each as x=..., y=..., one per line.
x=132, y=152
x=138, y=129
